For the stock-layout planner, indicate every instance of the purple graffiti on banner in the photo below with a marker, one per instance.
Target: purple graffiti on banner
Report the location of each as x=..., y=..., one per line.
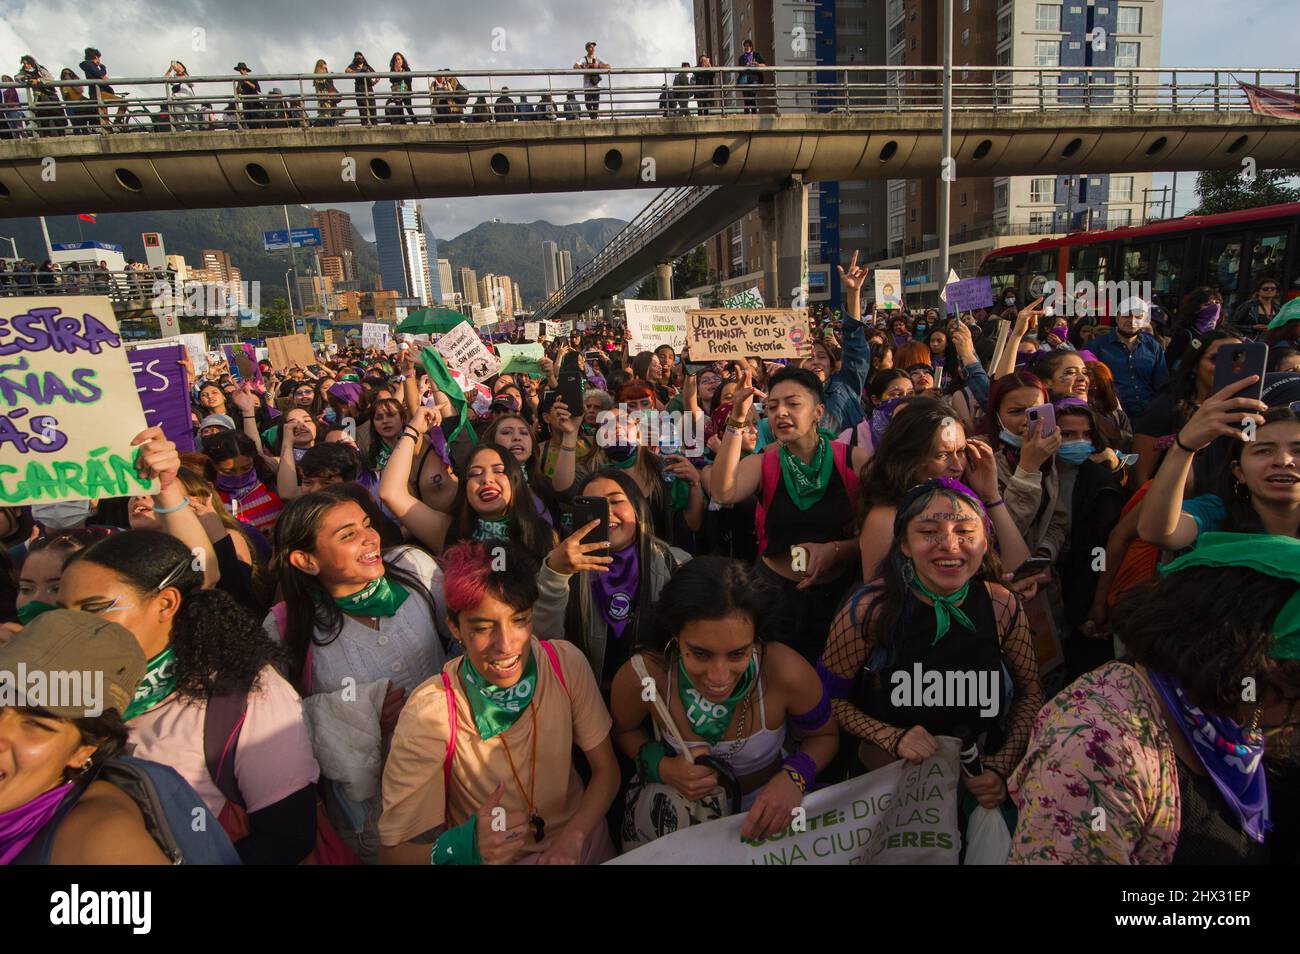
x=248, y=353
x=164, y=392
x=970, y=294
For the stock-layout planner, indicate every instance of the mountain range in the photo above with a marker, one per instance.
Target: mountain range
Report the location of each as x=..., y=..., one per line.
x=499, y=247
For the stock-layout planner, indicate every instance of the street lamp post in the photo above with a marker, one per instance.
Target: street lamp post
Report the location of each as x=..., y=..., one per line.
x=945, y=184
x=288, y=288
x=11, y=242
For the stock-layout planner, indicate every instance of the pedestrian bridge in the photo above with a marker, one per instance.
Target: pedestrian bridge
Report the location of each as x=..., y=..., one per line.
x=521, y=132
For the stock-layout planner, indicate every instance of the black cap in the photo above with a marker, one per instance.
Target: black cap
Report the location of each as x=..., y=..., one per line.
x=92, y=52
x=241, y=65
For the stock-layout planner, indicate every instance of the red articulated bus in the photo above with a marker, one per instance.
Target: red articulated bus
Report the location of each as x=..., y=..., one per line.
x=1229, y=251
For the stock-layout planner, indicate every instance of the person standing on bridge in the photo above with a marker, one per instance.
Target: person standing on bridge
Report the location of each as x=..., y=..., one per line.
x=327, y=97
x=398, y=107
x=94, y=69
x=591, y=80
x=247, y=89
x=364, y=88
x=705, y=97
x=751, y=78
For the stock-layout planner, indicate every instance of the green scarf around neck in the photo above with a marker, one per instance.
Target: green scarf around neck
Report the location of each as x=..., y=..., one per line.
x=158, y=683
x=806, y=483
x=708, y=719
x=945, y=608
x=380, y=597
x=497, y=709
x=491, y=528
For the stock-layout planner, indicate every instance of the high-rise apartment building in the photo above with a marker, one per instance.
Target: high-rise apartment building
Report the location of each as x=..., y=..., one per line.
x=469, y=287
x=445, y=282
x=336, y=239
x=551, y=268
x=565, y=266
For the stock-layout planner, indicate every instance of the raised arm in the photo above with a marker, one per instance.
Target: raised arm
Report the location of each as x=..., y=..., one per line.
x=429, y=526
x=733, y=480
x=1026, y=318
x=159, y=458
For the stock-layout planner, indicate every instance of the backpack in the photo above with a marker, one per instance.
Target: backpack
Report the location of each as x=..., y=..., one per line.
x=772, y=476
x=551, y=657
x=168, y=805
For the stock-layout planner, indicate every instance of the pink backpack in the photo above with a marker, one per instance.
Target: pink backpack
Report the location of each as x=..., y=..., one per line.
x=772, y=476
x=551, y=655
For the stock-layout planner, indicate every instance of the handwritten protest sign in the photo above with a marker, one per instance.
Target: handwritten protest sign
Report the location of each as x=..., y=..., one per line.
x=484, y=317
x=753, y=298
x=164, y=391
x=532, y=330
x=68, y=403
x=466, y=352
x=196, y=343
x=889, y=288
x=655, y=323
x=559, y=329
x=521, y=358
x=373, y=334
x=969, y=294
x=899, y=814
x=714, y=333
x=289, y=350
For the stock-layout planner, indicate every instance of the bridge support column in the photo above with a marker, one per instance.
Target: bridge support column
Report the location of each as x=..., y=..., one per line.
x=791, y=239
x=607, y=309
x=664, y=280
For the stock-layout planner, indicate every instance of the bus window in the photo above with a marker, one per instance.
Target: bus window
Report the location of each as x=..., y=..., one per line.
x=1267, y=257
x=1167, y=282
x=1090, y=263
x=1004, y=271
x=1042, y=269
x=1223, y=264
x=1137, y=263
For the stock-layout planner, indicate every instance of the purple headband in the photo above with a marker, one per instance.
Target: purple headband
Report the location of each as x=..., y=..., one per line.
x=346, y=391
x=1087, y=356
x=942, y=483
x=1071, y=401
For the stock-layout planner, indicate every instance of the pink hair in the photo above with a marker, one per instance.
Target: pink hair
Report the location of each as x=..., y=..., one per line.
x=466, y=568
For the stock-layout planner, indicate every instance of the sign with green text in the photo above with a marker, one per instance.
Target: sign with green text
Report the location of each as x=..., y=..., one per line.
x=69, y=408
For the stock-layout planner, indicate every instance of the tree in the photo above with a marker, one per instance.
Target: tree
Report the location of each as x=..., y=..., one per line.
x=1226, y=190
x=648, y=290
x=691, y=271
x=276, y=319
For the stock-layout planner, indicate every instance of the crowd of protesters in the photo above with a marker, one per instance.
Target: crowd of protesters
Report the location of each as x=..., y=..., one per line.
x=382, y=600
x=35, y=106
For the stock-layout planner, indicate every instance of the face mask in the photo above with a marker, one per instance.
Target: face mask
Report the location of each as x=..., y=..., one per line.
x=1076, y=452
x=29, y=611
x=1012, y=440
x=922, y=327
x=1008, y=301
x=620, y=451
x=331, y=415
x=1207, y=318
x=64, y=515
x=234, y=483
x=1061, y=331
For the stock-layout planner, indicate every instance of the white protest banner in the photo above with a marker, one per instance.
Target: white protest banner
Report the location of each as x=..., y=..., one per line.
x=68, y=403
x=903, y=813
x=889, y=289
x=532, y=330
x=373, y=335
x=465, y=351
x=753, y=298
x=714, y=333
x=196, y=344
x=483, y=317
x=582, y=324
x=560, y=329
x=655, y=323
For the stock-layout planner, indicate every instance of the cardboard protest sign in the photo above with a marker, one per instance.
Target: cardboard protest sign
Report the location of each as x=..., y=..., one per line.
x=999, y=342
x=484, y=317
x=969, y=294
x=532, y=330
x=720, y=333
x=900, y=814
x=889, y=288
x=521, y=358
x=68, y=403
x=288, y=350
x=655, y=323
x=373, y=334
x=160, y=380
x=465, y=351
x=560, y=329
x=753, y=298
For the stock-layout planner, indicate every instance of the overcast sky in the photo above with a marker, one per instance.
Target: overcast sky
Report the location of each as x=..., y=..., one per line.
x=140, y=37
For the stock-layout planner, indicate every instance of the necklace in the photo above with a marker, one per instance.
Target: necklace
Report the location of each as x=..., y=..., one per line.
x=739, y=742
x=535, y=820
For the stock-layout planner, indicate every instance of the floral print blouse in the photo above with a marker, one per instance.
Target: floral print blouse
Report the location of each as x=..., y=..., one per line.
x=1099, y=783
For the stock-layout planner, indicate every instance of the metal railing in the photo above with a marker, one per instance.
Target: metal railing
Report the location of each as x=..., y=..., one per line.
x=131, y=289
x=312, y=100
x=667, y=207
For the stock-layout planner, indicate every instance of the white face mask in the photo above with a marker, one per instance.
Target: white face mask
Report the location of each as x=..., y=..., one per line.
x=64, y=515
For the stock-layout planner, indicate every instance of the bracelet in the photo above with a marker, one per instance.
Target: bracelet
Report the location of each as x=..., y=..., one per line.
x=801, y=768
x=1178, y=439
x=457, y=846
x=250, y=417
x=736, y=425
x=563, y=448
x=648, y=758
x=163, y=511
x=989, y=505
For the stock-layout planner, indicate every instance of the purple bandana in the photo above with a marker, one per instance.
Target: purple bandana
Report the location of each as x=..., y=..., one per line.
x=1235, y=764
x=880, y=419
x=349, y=392
x=20, y=825
x=947, y=483
x=615, y=591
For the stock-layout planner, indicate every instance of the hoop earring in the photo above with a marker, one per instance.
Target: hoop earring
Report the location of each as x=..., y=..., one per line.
x=908, y=571
x=1240, y=489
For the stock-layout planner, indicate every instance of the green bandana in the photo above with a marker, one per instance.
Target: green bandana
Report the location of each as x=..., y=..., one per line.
x=356, y=379
x=1288, y=313
x=629, y=461
x=29, y=611
x=491, y=529
x=806, y=483
x=708, y=719
x=680, y=494
x=158, y=683
x=1269, y=554
x=382, y=455
x=379, y=598
x=945, y=608
x=496, y=709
